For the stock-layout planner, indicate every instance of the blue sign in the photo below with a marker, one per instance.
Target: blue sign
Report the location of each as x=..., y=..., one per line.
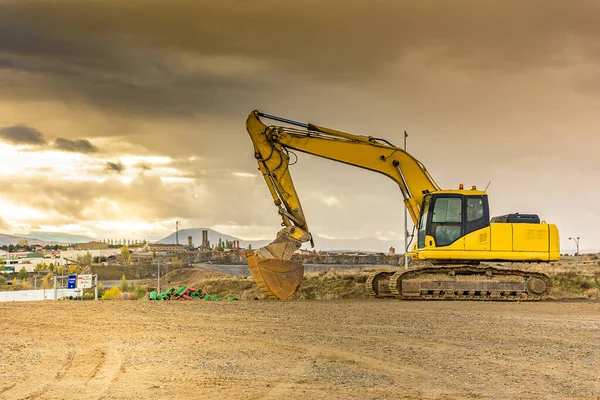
x=72, y=282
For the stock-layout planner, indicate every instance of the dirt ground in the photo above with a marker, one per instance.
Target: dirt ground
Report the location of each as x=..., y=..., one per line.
x=336, y=349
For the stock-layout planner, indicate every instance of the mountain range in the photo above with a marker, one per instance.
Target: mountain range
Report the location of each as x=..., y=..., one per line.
x=368, y=244
x=43, y=238
x=58, y=237
x=6, y=240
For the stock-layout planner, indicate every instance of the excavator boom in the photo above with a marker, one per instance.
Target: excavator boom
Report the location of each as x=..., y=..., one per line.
x=278, y=276
x=272, y=145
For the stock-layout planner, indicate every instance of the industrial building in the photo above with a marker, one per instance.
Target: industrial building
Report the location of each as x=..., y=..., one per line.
x=166, y=248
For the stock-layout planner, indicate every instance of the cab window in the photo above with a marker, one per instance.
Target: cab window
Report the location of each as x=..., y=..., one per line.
x=423, y=223
x=474, y=208
x=446, y=221
x=477, y=213
x=447, y=209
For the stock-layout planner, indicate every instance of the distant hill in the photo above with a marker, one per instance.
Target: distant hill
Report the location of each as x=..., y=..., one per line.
x=7, y=240
x=58, y=237
x=367, y=244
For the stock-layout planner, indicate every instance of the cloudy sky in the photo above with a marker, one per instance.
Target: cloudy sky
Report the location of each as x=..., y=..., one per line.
x=118, y=118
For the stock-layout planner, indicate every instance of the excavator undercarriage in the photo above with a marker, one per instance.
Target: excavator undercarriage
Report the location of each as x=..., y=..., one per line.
x=459, y=282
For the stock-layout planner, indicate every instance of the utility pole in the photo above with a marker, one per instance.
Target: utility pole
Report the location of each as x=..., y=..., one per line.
x=158, y=284
x=405, y=221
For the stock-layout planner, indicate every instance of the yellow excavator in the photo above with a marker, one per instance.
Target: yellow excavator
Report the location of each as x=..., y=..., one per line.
x=454, y=230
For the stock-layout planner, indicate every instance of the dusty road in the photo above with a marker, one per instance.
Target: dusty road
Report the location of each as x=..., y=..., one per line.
x=353, y=349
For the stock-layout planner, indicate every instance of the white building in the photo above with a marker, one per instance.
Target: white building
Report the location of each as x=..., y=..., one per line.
x=16, y=264
x=68, y=255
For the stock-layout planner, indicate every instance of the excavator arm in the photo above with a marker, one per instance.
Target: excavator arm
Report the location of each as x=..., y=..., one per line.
x=276, y=275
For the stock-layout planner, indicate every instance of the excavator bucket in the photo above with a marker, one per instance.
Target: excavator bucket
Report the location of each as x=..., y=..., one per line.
x=276, y=278
x=276, y=275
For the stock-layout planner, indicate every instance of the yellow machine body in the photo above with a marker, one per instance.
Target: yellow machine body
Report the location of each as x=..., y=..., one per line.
x=454, y=226
x=498, y=242
x=524, y=242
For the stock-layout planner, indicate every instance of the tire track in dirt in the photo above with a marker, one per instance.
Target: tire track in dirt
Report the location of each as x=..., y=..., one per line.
x=60, y=374
x=66, y=366
x=90, y=373
x=107, y=370
x=326, y=354
x=7, y=388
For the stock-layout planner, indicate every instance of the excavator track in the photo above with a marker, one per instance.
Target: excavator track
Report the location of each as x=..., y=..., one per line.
x=463, y=282
x=377, y=284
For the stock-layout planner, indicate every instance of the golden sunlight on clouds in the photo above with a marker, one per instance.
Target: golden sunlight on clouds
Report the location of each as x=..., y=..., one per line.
x=15, y=214
x=137, y=109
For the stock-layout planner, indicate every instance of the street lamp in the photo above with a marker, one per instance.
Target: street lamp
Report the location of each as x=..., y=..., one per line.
x=406, y=234
x=576, y=240
x=158, y=277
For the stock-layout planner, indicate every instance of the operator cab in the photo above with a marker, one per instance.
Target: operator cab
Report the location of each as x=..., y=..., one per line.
x=449, y=215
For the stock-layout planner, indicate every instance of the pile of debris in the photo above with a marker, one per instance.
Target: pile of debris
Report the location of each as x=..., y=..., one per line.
x=183, y=293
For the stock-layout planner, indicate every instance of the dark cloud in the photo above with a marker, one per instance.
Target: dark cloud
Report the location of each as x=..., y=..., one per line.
x=75, y=146
x=21, y=134
x=178, y=78
x=117, y=167
x=189, y=57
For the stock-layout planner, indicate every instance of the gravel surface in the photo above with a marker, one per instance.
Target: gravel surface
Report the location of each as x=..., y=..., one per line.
x=351, y=349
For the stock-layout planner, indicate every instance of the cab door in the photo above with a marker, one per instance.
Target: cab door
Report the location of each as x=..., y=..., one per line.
x=478, y=234
x=446, y=224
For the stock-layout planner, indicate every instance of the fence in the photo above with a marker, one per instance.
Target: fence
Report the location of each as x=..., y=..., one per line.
x=37, y=295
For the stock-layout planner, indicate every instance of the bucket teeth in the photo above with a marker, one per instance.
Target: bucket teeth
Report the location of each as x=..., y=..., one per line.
x=275, y=277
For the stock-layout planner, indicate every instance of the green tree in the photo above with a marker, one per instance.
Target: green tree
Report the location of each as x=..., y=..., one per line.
x=84, y=259
x=176, y=262
x=125, y=255
x=59, y=270
x=51, y=267
x=23, y=273
x=124, y=284
x=249, y=246
x=46, y=281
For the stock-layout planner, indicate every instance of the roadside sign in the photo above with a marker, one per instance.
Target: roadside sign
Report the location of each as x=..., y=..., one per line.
x=72, y=281
x=84, y=281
